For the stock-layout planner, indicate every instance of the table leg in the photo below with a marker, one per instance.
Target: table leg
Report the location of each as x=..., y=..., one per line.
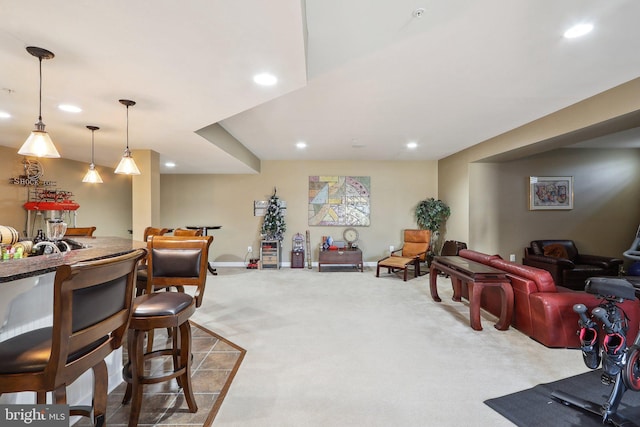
x=475, y=292
x=506, y=307
x=209, y=264
x=433, y=285
x=456, y=283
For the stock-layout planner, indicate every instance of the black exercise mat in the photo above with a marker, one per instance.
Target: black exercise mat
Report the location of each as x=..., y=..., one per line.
x=535, y=407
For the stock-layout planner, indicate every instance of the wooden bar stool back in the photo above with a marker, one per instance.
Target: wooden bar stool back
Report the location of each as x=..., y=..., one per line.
x=79, y=231
x=187, y=232
x=142, y=268
x=173, y=262
x=91, y=310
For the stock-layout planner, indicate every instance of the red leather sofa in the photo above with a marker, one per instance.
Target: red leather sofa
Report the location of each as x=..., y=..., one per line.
x=541, y=309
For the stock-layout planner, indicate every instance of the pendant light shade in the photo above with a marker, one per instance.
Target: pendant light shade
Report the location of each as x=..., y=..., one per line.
x=127, y=165
x=92, y=175
x=39, y=143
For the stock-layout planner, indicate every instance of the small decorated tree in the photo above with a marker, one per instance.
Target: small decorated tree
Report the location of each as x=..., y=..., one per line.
x=273, y=226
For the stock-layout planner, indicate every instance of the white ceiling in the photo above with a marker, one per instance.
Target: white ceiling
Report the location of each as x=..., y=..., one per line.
x=357, y=79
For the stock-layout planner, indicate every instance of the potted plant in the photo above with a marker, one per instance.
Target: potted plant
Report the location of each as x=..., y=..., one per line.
x=431, y=214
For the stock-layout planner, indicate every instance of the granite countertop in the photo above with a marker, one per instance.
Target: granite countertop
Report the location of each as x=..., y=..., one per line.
x=97, y=247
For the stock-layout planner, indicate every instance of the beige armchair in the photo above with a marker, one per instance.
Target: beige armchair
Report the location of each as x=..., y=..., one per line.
x=413, y=252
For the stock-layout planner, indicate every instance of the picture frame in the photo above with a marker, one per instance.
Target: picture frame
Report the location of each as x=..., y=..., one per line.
x=260, y=207
x=550, y=193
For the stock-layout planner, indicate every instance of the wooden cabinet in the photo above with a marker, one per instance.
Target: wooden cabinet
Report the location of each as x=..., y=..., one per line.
x=341, y=257
x=270, y=254
x=297, y=259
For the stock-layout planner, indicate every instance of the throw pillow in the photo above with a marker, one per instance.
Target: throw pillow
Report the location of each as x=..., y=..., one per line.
x=556, y=250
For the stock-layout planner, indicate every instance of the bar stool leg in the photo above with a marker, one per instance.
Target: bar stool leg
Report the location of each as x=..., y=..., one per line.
x=134, y=388
x=185, y=361
x=100, y=392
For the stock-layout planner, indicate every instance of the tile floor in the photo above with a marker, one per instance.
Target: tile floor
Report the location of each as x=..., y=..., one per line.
x=215, y=362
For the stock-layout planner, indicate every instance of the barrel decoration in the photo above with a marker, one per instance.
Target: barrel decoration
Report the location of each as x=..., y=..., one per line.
x=8, y=235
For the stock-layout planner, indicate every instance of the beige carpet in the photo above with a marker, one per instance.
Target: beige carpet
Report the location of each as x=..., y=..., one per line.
x=345, y=348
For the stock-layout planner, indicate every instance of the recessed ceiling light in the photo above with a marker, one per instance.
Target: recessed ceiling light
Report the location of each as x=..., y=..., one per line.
x=265, y=79
x=4, y=115
x=412, y=145
x=70, y=108
x=301, y=144
x=170, y=165
x=578, y=30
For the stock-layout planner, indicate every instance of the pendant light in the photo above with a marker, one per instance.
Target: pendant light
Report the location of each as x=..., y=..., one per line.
x=92, y=175
x=127, y=165
x=39, y=143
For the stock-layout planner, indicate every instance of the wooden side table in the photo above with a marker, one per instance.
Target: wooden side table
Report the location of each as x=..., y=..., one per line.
x=341, y=257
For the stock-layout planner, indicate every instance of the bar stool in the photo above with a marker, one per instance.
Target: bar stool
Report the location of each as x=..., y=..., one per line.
x=187, y=232
x=141, y=283
x=79, y=231
x=173, y=262
x=91, y=309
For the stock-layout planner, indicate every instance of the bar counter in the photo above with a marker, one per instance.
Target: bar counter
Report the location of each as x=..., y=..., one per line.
x=97, y=247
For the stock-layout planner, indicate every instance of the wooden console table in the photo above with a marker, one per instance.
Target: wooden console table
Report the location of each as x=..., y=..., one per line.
x=341, y=257
x=476, y=276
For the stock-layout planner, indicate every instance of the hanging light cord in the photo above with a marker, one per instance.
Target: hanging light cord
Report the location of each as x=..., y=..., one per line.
x=127, y=128
x=92, y=132
x=40, y=103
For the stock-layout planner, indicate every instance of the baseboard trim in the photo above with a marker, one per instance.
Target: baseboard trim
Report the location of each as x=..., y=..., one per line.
x=283, y=264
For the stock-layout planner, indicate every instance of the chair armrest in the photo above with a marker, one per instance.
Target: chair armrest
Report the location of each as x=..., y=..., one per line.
x=541, y=259
x=600, y=261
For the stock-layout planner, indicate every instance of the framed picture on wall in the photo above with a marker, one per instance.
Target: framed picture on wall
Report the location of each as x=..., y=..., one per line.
x=550, y=193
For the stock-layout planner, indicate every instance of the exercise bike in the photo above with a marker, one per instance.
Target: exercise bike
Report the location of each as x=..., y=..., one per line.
x=620, y=362
x=633, y=254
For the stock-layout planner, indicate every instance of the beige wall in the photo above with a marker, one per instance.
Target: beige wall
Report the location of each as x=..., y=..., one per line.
x=606, y=204
x=553, y=131
x=227, y=200
x=107, y=205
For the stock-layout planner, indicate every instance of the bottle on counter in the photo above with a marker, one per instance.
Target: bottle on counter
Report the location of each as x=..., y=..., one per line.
x=39, y=238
